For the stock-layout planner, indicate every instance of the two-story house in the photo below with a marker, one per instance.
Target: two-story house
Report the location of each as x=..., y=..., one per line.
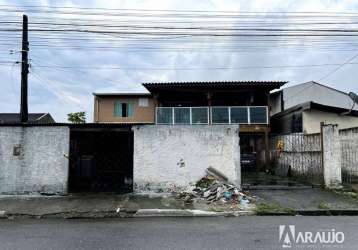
x=190, y=103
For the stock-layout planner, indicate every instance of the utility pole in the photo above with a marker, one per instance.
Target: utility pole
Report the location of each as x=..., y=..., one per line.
x=24, y=70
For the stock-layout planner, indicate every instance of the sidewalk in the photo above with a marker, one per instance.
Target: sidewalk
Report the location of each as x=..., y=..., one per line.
x=103, y=205
x=308, y=201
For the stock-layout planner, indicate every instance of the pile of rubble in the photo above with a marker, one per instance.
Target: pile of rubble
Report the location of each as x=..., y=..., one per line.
x=214, y=188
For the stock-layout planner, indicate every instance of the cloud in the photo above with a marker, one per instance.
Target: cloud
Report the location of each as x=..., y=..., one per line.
x=64, y=90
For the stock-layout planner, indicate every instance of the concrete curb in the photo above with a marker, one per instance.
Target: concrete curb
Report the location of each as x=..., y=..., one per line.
x=333, y=212
x=171, y=213
x=188, y=213
x=330, y=212
x=3, y=214
x=175, y=213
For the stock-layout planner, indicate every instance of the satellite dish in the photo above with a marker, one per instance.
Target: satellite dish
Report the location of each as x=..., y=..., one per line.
x=353, y=96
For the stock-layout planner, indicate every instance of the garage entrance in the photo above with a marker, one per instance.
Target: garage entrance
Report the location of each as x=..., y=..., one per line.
x=252, y=148
x=101, y=160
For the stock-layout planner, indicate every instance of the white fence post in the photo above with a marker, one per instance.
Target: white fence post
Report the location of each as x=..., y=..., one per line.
x=331, y=156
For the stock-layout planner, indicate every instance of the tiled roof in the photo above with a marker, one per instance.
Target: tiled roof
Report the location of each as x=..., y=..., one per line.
x=15, y=117
x=216, y=84
x=122, y=94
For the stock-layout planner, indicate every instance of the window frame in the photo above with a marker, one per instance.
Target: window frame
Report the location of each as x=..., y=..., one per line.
x=124, y=109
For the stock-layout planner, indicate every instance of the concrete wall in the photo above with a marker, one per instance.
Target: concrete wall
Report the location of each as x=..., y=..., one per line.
x=331, y=156
x=174, y=156
x=104, y=109
x=32, y=159
x=311, y=120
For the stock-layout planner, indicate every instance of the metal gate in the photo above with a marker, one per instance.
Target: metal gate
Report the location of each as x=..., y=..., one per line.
x=101, y=161
x=349, y=155
x=297, y=155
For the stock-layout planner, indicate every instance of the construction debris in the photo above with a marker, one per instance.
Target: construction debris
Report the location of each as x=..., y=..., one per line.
x=214, y=188
x=216, y=173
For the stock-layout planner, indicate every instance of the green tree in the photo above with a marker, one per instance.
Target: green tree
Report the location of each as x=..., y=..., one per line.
x=77, y=117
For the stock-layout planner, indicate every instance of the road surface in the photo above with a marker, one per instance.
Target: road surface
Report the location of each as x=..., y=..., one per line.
x=251, y=232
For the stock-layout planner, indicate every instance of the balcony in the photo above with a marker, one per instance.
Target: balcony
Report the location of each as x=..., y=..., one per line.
x=212, y=115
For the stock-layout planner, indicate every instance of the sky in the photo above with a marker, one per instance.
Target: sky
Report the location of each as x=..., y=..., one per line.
x=62, y=90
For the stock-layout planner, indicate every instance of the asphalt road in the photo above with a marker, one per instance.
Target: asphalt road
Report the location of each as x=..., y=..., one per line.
x=252, y=232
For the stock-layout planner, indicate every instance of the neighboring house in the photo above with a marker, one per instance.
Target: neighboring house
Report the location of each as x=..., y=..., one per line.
x=189, y=103
x=301, y=108
x=124, y=108
x=7, y=118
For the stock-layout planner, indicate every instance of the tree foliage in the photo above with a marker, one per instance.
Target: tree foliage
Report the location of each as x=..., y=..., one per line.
x=77, y=117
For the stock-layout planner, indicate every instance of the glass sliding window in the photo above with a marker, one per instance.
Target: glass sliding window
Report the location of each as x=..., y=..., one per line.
x=117, y=112
x=182, y=115
x=239, y=115
x=123, y=109
x=258, y=115
x=165, y=115
x=199, y=115
x=220, y=115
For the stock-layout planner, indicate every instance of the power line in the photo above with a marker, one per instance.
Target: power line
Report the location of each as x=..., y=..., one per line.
x=339, y=67
x=190, y=68
x=154, y=33
x=53, y=87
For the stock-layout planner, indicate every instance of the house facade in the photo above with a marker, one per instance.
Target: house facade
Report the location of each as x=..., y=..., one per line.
x=246, y=103
x=161, y=140
x=124, y=108
x=301, y=109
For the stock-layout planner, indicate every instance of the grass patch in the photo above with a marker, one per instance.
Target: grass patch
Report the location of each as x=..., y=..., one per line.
x=269, y=208
x=323, y=206
x=348, y=195
x=351, y=195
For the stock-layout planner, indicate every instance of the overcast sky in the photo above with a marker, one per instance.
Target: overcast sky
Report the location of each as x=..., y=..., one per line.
x=71, y=90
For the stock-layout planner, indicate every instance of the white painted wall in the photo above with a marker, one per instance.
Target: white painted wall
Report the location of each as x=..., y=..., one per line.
x=313, y=92
x=310, y=92
x=332, y=171
x=41, y=166
x=311, y=120
x=173, y=156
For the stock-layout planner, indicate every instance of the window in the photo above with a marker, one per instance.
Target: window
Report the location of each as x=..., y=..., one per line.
x=220, y=115
x=182, y=115
x=199, y=115
x=123, y=109
x=165, y=115
x=258, y=115
x=239, y=115
x=143, y=102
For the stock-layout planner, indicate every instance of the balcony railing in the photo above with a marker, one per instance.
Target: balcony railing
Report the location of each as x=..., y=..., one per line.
x=212, y=115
